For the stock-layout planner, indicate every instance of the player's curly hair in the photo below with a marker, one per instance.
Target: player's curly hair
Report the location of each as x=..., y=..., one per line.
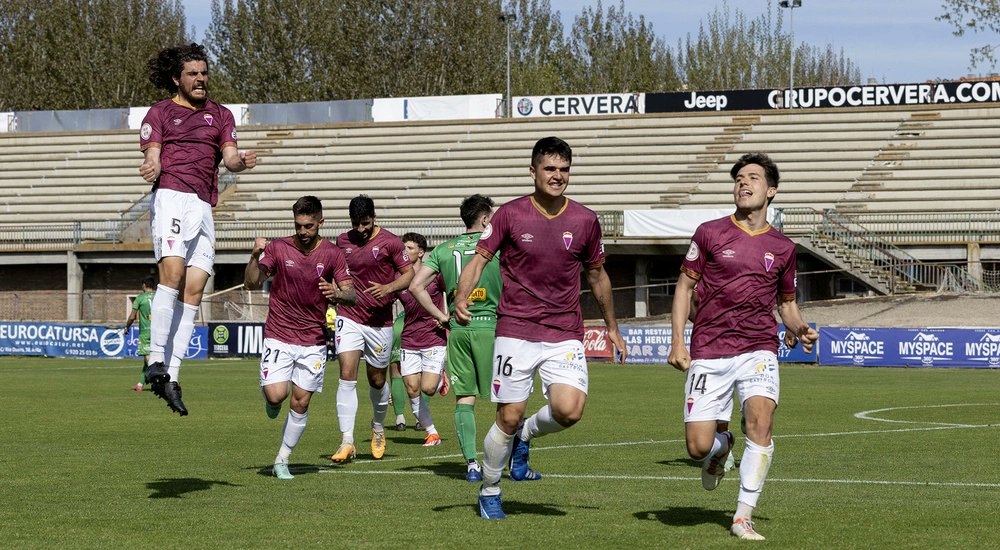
x=360, y=207
x=762, y=160
x=415, y=238
x=166, y=65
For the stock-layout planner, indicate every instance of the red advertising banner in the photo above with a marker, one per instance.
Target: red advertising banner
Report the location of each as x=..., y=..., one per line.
x=596, y=344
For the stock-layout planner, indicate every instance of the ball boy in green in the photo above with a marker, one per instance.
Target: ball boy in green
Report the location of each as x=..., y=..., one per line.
x=141, y=309
x=470, y=348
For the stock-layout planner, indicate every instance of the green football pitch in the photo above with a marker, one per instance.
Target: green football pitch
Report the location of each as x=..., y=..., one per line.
x=865, y=457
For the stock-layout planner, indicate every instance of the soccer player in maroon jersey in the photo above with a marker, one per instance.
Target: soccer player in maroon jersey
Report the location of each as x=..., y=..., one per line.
x=308, y=272
x=379, y=265
x=183, y=139
x=543, y=239
x=742, y=267
x=422, y=343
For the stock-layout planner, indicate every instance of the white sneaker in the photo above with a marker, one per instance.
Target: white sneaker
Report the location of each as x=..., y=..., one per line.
x=743, y=529
x=714, y=467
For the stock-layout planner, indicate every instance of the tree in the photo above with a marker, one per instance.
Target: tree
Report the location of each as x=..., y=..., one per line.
x=614, y=51
x=733, y=52
x=974, y=16
x=82, y=54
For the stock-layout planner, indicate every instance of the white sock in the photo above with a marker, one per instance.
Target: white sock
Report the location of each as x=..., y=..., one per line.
x=168, y=349
x=185, y=328
x=423, y=413
x=496, y=454
x=380, y=404
x=295, y=424
x=347, y=408
x=161, y=314
x=541, y=423
x=400, y=419
x=719, y=445
x=753, y=471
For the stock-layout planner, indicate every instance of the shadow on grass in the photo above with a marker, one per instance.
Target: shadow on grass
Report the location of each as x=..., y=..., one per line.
x=399, y=439
x=685, y=461
x=452, y=469
x=294, y=469
x=178, y=487
x=687, y=516
x=514, y=507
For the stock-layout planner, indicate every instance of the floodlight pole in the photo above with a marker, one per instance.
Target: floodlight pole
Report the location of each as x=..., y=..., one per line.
x=507, y=19
x=791, y=5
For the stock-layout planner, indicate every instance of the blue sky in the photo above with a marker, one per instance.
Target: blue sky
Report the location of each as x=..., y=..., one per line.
x=890, y=40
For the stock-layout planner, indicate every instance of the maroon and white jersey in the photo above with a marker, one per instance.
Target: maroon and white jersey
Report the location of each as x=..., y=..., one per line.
x=540, y=258
x=420, y=330
x=297, y=309
x=379, y=260
x=741, y=276
x=191, y=142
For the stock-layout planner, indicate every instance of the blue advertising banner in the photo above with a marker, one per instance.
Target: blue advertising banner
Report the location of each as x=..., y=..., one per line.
x=197, y=346
x=236, y=339
x=910, y=347
x=87, y=341
x=647, y=345
x=794, y=355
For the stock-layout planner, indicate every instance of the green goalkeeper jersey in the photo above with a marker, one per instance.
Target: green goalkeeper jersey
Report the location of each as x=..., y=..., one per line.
x=143, y=303
x=448, y=259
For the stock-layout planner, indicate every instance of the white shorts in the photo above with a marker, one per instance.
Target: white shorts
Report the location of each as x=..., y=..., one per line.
x=303, y=365
x=182, y=225
x=710, y=383
x=515, y=362
x=375, y=343
x=416, y=361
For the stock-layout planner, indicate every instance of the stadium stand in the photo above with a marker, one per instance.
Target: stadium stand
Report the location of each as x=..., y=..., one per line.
x=852, y=160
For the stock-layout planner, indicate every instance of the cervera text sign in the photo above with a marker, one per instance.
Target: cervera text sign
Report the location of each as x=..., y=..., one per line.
x=578, y=105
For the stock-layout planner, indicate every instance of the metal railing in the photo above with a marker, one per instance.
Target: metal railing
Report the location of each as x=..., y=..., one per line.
x=905, y=228
x=865, y=250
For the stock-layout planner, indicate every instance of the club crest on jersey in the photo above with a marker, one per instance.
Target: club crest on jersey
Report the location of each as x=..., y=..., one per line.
x=170, y=243
x=690, y=404
x=567, y=239
x=319, y=270
x=768, y=261
x=209, y=119
x=496, y=386
x=263, y=373
x=375, y=252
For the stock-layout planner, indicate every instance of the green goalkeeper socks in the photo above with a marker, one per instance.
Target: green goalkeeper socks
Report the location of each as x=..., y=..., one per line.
x=399, y=397
x=465, y=426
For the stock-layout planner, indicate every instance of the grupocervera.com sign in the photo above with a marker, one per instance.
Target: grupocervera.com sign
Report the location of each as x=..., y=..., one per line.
x=577, y=105
x=873, y=95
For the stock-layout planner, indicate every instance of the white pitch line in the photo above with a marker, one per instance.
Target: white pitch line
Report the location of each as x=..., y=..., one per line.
x=686, y=479
x=673, y=441
x=867, y=415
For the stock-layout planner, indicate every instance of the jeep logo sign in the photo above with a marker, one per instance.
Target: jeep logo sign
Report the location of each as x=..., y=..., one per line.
x=697, y=102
